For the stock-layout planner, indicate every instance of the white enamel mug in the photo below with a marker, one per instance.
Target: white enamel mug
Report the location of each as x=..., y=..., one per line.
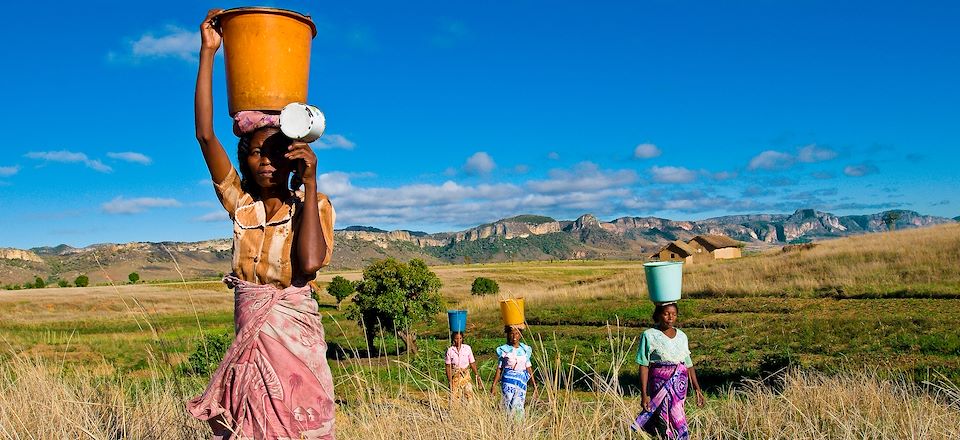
x=302, y=122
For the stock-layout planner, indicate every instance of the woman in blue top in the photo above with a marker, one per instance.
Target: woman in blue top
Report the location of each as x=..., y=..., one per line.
x=514, y=371
x=665, y=368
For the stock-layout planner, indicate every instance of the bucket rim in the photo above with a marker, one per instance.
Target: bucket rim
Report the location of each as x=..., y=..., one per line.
x=268, y=10
x=510, y=299
x=457, y=311
x=661, y=263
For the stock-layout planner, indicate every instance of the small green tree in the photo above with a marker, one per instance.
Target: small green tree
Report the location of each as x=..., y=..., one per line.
x=63, y=283
x=484, y=286
x=133, y=277
x=340, y=288
x=393, y=296
x=81, y=281
x=38, y=283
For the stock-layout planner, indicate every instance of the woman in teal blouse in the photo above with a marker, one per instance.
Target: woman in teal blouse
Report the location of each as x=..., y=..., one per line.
x=665, y=368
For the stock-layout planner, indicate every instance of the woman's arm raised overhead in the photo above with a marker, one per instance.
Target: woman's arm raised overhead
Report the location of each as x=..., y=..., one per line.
x=217, y=160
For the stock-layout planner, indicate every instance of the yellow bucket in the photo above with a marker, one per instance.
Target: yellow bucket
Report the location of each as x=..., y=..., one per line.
x=511, y=310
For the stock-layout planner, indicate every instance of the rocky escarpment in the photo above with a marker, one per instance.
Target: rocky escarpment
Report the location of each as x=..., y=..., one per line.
x=19, y=254
x=382, y=239
x=512, y=239
x=761, y=229
x=508, y=228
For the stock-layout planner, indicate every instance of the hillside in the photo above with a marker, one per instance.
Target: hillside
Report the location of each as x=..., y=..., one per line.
x=519, y=238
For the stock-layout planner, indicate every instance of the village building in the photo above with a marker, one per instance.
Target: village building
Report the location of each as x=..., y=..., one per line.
x=714, y=247
x=675, y=251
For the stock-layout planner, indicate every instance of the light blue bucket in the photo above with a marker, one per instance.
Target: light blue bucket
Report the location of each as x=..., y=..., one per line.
x=664, y=279
x=458, y=320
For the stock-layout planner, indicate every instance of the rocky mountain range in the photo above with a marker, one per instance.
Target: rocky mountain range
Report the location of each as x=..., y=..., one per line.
x=524, y=237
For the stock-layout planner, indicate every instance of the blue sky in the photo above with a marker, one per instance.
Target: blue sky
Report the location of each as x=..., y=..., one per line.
x=444, y=115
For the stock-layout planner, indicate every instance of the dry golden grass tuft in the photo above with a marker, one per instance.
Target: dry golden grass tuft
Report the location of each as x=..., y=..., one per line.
x=41, y=401
x=913, y=262
x=58, y=386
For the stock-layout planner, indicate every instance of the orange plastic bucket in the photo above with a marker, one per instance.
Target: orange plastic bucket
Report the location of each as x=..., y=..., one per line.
x=511, y=310
x=267, y=57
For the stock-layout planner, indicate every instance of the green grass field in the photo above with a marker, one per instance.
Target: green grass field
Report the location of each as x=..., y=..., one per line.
x=872, y=304
x=910, y=322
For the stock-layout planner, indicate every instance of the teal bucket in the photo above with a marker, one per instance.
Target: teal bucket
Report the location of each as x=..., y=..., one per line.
x=458, y=320
x=664, y=279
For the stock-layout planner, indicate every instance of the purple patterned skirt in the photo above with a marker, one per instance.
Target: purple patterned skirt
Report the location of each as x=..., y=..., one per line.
x=669, y=382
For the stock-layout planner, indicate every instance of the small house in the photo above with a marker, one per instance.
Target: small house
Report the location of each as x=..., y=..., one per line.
x=714, y=247
x=675, y=251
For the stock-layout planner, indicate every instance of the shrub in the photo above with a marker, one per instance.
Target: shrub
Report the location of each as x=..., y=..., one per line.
x=393, y=296
x=81, y=281
x=484, y=286
x=63, y=283
x=340, y=288
x=208, y=354
x=133, y=277
x=39, y=283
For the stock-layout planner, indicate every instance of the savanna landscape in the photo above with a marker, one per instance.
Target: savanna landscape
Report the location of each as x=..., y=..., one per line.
x=852, y=338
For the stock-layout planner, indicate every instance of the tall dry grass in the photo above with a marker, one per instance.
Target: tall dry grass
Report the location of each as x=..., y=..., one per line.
x=913, y=262
x=39, y=400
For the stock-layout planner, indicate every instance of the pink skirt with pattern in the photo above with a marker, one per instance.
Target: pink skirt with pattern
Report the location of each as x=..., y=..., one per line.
x=274, y=382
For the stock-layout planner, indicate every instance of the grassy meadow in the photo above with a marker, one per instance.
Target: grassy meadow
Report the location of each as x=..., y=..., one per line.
x=856, y=338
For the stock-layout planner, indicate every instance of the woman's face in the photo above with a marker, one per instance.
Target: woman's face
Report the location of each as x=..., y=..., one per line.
x=457, y=339
x=668, y=316
x=266, y=159
x=513, y=336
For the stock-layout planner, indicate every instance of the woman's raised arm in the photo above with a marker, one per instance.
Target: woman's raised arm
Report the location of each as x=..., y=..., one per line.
x=217, y=160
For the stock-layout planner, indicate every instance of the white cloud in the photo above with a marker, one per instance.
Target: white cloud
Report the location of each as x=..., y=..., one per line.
x=479, y=163
x=172, y=42
x=724, y=175
x=121, y=205
x=58, y=156
x=329, y=141
x=96, y=165
x=213, y=216
x=813, y=153
x=860, y=170
x=334, y=184
x=585, y=176
x=65, y=156
x=553, y=155
x=673, y=175
x=9, y=171
x=571, y=192
x=646, y=151
x=130, y=156
x=521, y=169
x=822, y=175
x=771, y=160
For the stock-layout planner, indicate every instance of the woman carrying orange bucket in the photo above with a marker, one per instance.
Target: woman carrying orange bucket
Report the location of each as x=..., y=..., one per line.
x=274, y=381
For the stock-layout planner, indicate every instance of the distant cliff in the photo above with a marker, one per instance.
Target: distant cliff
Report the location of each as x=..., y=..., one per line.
x=524, y=237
